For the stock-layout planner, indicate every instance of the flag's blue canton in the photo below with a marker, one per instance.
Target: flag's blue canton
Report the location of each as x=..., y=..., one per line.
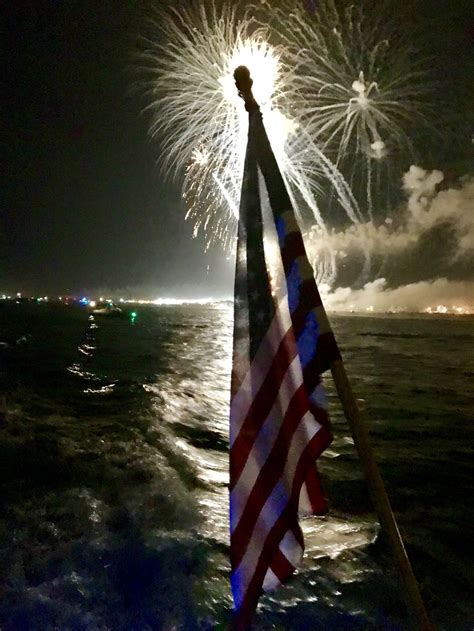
x=308, y=340
x=293, y=282
x=281, y=230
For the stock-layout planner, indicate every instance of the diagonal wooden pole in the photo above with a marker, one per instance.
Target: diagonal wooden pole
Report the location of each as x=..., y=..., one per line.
x=354, y=414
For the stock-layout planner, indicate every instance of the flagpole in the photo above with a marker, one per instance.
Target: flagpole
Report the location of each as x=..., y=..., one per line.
x=353, y=412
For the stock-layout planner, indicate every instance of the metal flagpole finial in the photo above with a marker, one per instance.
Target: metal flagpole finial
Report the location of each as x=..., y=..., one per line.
x=244, y=82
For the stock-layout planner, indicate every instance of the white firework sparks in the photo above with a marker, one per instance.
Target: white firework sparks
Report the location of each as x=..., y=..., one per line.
x=358, y=87
x=202, y=124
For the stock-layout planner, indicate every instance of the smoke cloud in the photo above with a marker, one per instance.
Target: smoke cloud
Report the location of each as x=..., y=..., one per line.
x=420, y=258
x=438, y=296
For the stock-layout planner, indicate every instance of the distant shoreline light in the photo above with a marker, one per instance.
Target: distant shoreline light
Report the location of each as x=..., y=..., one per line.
x=91, y=302
x=175, y=301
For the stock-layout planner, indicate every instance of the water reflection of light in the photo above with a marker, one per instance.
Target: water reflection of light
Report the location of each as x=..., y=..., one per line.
x=191, y=406
x=103, y=390
x=212, y=469
x=330, y=536
x=87, y=348
x=77, y=369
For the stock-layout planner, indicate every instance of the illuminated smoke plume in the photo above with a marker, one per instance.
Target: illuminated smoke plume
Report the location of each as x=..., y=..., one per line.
x=422, y=261
x=438, y=296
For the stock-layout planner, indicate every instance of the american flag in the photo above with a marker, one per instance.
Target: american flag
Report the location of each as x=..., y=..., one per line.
x=278, y=419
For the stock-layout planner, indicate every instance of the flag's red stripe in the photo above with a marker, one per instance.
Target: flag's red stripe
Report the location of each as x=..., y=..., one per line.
x=269, y=474
x=298, y=533
x=292, y=248
x=261, y=406
x=310, y=377
x=327, y=352
x=286, y=520
x=309, y=299
x=281, y=567
x=315, y=492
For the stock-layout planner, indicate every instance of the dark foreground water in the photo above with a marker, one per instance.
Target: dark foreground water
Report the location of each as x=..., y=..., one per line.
x=113, y=472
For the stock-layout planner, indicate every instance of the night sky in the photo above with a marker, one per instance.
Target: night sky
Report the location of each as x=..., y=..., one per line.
x=83, y=204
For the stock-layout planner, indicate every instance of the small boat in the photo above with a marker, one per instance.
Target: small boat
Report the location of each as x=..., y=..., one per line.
x=109, y=309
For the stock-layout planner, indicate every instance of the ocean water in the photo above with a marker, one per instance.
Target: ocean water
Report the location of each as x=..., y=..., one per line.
x=113, y=474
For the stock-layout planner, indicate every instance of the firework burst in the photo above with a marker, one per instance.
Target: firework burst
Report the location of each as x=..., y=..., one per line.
x=358, y=89
x=333, y=98
x=202, y=124
x=197, y=115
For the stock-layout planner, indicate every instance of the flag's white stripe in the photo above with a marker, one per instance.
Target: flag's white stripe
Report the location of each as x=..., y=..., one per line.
x=243, y=398
x=271, y=581
x=292, y=550
x=319, y=396
x=263, y=444
x=276, y=502
x=304, y=506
